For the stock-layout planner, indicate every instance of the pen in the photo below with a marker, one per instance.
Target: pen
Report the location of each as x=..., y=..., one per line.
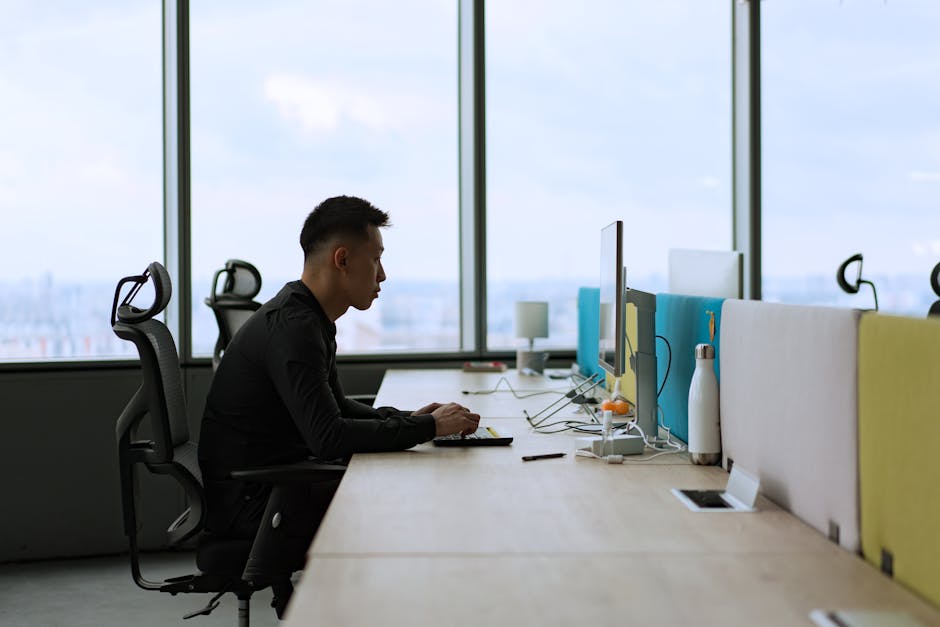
x=529, y=458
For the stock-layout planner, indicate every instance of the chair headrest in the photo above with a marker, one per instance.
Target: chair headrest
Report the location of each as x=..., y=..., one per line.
x=127, y=312
x=242, y=280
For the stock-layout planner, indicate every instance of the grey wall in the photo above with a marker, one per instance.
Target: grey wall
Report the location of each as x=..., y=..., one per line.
x=58, y=460
x=58, y=456
x=59, y=467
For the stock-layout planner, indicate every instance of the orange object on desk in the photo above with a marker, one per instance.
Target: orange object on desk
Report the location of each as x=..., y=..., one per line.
x=617, y=407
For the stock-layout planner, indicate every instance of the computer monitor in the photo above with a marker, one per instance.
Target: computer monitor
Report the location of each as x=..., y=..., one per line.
x=611, y=332
x=614, y=344
x=714, y=273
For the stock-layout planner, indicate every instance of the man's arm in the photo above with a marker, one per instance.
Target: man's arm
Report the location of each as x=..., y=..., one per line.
x=351, y=408
x=297, y=360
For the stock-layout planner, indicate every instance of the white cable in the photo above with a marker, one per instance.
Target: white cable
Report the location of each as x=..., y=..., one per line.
x=610, y=459
x=520, y=394
x=646, y=459
x=605, y=430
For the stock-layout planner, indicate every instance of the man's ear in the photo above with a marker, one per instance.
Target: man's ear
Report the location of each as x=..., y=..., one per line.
x=340, y=255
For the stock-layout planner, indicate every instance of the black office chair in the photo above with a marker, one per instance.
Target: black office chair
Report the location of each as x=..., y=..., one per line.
x=226, y=565
x=935, y=286
x=852, y=286
x=232, y=302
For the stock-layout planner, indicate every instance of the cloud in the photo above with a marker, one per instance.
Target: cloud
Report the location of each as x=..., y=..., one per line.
x=918, y=176
x=10, y=166
x=709, y=181
x=102, y=172
x=320, y=106
x=921, y=249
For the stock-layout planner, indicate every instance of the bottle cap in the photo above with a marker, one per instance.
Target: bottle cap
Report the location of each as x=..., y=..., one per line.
x=704, y=351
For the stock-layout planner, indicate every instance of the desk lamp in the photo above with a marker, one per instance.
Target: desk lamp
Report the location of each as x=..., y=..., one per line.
x=531, y=322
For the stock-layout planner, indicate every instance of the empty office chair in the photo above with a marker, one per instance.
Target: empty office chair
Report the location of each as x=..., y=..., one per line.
x=225, y=565
x=935, y=286
x=851, y=286
x=232, y=302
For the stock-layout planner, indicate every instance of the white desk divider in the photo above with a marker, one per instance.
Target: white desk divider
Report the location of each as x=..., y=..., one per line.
x=789, y=408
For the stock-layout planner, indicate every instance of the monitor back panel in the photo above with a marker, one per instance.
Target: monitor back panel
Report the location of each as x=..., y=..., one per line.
x=716, y=273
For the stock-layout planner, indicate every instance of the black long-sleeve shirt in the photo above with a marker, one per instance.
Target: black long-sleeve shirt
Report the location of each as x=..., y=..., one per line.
x=276, y=398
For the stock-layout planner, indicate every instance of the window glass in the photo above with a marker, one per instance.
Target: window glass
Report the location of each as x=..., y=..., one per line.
x=851, y=151
x=294, y=102
x=80, y=170
x=600, y=111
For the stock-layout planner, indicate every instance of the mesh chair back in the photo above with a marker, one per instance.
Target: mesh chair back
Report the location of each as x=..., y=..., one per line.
x=232, y=302
x=234, y=319
x=242, y=279
x=160, y=398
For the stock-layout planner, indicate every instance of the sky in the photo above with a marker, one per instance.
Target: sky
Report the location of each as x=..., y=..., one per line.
x=596, y=111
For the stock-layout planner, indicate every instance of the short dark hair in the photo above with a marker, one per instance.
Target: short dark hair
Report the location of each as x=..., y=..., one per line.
x=340, y=215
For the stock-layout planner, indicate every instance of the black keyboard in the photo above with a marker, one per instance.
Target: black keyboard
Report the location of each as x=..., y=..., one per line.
x=484, y=436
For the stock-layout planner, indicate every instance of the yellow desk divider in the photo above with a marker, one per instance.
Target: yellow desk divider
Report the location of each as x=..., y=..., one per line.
x=899, y=434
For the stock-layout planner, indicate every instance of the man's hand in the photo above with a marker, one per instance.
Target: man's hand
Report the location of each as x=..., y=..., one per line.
x=427, y=409
x=453, y=418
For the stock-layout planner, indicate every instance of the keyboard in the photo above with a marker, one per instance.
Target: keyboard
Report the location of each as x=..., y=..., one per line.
x=484, y=436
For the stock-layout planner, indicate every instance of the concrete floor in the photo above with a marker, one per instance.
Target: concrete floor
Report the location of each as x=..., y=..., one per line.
x=99, y=592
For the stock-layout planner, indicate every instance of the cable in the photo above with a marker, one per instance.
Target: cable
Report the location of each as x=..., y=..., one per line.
x=662, y=423
x=620, y=459
x=570, y=425
x=668, y=364
x=529, y=393
x=613, y=458
x=675, y=446
x=535, y=421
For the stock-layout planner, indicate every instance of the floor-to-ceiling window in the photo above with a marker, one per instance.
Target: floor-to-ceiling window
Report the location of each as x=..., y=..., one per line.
x=594, y=112
x=851, y=150
x=80, y=170
x=294, y=102
x=600, y=111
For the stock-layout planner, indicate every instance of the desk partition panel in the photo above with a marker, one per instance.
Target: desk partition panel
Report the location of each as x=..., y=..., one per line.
x=589, y=307
x=899, y=432
x=684, y=321
x=789, y=408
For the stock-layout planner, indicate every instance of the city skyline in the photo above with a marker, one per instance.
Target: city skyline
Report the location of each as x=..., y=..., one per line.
x=46, y=315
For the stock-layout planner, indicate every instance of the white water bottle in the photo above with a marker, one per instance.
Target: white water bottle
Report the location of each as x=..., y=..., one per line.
x=704, y=429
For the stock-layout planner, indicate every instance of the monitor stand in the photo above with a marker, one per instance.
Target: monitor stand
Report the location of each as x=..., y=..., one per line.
x=643, y=362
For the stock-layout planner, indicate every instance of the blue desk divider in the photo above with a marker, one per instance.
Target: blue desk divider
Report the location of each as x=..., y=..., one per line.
x=683, y=320
x=589, y=308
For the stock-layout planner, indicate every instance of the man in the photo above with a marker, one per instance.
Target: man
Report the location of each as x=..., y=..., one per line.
x=276, y=397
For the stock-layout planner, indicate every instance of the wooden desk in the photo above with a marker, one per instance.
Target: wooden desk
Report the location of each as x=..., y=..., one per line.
x=438, y=536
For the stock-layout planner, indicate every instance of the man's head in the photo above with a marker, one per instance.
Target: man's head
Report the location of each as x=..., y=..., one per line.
x=343, y=247
x=345, y=216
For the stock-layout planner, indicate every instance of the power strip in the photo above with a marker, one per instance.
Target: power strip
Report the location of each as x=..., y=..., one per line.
x=617, y=445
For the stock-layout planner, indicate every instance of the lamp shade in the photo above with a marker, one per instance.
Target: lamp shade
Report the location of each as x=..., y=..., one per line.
x=531, y=319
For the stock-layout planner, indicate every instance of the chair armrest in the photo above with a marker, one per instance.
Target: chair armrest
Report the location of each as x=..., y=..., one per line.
x=299, y=471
